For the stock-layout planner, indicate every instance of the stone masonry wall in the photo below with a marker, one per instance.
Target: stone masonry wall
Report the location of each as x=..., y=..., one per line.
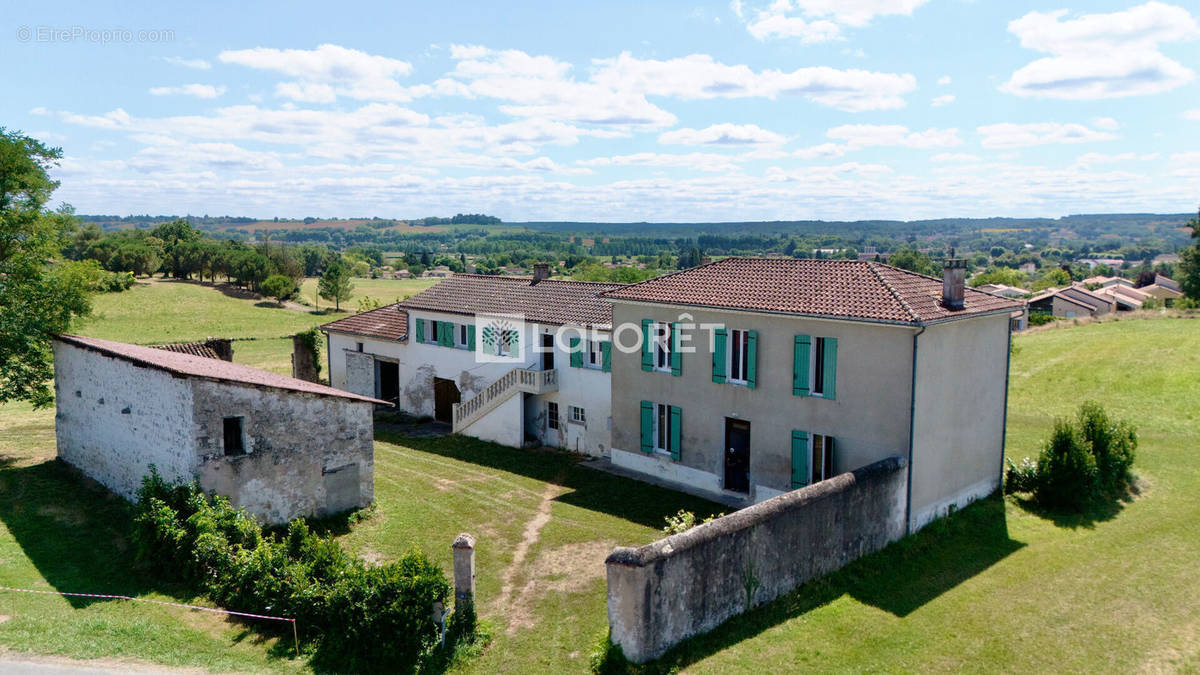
x=690, y=583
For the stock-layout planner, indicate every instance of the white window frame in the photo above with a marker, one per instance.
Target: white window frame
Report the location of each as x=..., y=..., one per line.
x=744, y=346
x=506, y=342
x=660, y=334
x=662, y=428
x=826, y=457
x=430, y=331
x=553, y=421
x=576, y=415
x=594, y=358
x=461, y=336
x=816, y=369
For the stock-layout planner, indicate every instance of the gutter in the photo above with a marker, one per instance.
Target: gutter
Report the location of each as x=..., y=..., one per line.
x=912, y=418
x=1004, y=421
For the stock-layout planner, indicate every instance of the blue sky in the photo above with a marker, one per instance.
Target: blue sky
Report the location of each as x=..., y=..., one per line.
x=793, y=109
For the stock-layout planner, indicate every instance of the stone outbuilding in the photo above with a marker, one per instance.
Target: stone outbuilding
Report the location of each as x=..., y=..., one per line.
x=275, y=445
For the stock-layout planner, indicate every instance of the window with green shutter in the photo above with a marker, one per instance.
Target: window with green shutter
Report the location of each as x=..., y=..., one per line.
x=471, y=337
x=647, y=345
x=800, y=365
x=647, y=427
x=752, y=358
x=606, y=356
x=829, y=384
x=799, y=459
x=719, y=355
x=676, y=432
x=576, y=352
x=420, y=325
x=676, y=352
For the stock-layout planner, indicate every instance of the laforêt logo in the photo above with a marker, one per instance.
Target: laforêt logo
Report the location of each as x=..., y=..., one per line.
x=499, y=338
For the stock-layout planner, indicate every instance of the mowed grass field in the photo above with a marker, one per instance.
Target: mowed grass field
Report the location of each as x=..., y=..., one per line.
x=386, y=291
x=994, y=588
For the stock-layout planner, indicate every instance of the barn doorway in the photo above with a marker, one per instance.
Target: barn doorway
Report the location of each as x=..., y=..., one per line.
x=445, y=395
x=737, y=455
x=387, y=381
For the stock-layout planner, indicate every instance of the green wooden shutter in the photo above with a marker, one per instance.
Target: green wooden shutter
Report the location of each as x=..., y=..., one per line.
x=799, y=459
x=829, y=382
x=576, y=354
x=752, y=359
x=516, y=344
x=471, y=337
x=676, y=355
x=800, y=358
x=720, y=347
x=647, y=427
x=420, y=329
x=676, y=431
x=647, y=346
x=606, y=357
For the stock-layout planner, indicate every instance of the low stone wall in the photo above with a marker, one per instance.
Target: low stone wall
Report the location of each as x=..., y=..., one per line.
x=690, y=583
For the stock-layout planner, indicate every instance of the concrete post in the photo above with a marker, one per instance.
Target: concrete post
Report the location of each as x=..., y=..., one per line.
x=464, y=568
x=304, y=367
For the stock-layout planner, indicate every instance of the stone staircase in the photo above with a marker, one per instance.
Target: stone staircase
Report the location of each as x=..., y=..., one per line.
x=516, y=380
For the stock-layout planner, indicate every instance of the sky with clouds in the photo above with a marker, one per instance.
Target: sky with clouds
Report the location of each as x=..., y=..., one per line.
x=613, y=111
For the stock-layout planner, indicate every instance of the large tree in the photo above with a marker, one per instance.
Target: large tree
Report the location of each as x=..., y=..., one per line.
x=39, y=293
x=1189, y=263
x=335, y=284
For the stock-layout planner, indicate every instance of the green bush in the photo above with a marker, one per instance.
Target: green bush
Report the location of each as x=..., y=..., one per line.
x=1086, y=459
x=608, y=658
x=1041, y=318
x=358, y=616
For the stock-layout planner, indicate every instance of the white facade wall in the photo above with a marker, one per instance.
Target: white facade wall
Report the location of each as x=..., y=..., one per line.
x=340, y=344
x=587, y=388
x=115, y=419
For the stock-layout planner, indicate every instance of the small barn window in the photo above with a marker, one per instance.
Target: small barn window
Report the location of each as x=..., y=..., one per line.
x=233, y=437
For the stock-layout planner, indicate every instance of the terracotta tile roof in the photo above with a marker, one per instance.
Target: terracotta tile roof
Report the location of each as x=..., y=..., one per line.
x=193, y=348
x=550, y=301
x=188, y=365
x=389, y=323
x=850, y=289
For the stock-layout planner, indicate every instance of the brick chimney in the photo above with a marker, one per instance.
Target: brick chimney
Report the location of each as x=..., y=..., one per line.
x=541, y=272
x=954, y=281
x=222, y=346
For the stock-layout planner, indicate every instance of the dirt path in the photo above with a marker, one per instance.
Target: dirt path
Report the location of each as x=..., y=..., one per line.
x=533, y=530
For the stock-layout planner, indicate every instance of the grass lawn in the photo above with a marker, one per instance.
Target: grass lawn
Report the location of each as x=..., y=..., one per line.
x=386, y=291
x=994, y=588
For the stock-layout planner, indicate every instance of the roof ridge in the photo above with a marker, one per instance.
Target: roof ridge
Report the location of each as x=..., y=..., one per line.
x=509, y=277
x=675, y=273
x=872, y=265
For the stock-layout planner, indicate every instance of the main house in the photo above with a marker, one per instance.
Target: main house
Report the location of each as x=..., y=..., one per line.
x=742, y=379
x=804, y=369
x=549, y=384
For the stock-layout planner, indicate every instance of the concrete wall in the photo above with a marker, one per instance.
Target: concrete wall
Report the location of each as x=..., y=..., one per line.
x=348, y=369
x=294, y=443
x=958, y=435
x=423, y=362
x=587, y=388
x=115, y=419
x=692, y=582
x=869, y=419
x=503, y=424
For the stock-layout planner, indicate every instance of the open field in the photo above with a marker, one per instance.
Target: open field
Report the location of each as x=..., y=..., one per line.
x=386, y=291
x=994, y=588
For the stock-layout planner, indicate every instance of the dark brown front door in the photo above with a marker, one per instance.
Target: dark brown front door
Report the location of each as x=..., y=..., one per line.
x=737, y=455
x=548, y=351
x=445, y=395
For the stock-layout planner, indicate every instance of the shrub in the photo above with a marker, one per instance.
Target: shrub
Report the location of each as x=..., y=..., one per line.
x=1041, y=318
x=608, y=658
x=1085, y=459
x=364, y=617
x=279, y=286
x=684, y=521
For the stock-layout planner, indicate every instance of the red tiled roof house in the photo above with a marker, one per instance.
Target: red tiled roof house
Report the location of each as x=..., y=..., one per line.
x=765, y=375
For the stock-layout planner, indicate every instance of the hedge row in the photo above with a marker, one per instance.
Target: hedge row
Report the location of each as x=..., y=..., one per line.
x=355, y=613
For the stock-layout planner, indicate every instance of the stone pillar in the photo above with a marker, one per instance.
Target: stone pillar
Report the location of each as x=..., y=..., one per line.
x=304, y=367
x=464, y=568
x=222, y=346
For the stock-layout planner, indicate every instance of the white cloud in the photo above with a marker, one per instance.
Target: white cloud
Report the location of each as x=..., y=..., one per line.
x=945, y=99
x=327, y=72
x=1192, y=114
x=698, y=161
x=197, y=90
x=723, y=134
x=858, y=136
x=1088, y=159
x=1095, y=56
x=814, y=21
x=955, y=157
x=698, y=76
x=943, y=80
x=195, y=64
x=1106, y=123
x=736, y=6
x=1010, y=135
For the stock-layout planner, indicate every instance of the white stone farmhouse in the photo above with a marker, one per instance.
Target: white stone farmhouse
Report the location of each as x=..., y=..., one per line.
x=422, y=355
x=276, y=446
